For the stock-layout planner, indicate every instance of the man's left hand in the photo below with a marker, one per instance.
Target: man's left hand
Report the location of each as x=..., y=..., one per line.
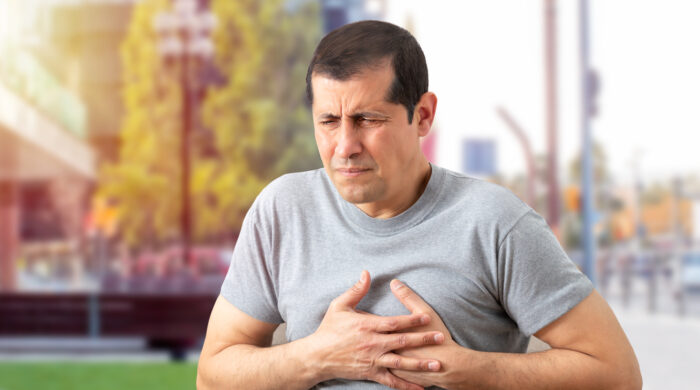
x=448, y=353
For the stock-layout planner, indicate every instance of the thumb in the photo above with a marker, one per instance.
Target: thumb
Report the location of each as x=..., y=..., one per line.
x=353, y=296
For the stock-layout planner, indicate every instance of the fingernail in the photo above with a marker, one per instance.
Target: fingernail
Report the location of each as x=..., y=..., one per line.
x=363, y=277
x=424, y=319
x=439, y=338
x=433, y=366
x=396, y=284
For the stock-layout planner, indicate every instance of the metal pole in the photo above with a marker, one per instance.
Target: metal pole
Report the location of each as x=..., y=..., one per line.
x=553, y=204
x=586, y=160
x=527, y=150
x=185, y=155
x=675, y=260
x=94, y=315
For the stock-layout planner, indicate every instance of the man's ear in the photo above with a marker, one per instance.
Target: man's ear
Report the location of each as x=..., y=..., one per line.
x=425, y=113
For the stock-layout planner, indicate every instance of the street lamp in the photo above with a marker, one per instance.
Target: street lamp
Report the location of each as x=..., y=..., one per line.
x=184, y=38
x=527, y=150
x=588, y=238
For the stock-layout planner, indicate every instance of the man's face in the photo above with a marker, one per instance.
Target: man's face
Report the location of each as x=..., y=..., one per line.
x=367, y=146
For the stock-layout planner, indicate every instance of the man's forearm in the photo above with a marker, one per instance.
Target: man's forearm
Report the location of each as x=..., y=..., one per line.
x=249, y=367
x=552, y=369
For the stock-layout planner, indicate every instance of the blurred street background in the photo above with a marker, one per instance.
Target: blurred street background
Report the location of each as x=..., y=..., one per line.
x=134, y=135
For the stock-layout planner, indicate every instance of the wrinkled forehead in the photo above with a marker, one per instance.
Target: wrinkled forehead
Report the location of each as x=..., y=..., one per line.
x=366, y=89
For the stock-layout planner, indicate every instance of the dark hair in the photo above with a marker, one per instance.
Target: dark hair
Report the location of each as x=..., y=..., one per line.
x=350, y=49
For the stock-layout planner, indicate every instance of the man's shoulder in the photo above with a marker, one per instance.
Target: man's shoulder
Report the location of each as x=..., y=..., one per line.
x=293, y=180
x=483, y=201
x=293, y=189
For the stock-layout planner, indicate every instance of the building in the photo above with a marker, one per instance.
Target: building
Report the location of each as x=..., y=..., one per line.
x=57, y=55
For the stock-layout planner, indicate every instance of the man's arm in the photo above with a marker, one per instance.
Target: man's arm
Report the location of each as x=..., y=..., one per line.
x=589, y=351
x=347, y=344
x=233, y=353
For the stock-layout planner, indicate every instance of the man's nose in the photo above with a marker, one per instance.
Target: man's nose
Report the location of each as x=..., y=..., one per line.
x=349, y=144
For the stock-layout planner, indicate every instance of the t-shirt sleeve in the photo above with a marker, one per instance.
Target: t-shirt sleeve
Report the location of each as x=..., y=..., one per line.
x=249, y=284
x=538, y=283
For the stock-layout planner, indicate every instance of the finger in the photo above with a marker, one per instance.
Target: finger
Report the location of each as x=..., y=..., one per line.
x=398, y=362
x=408, y=298
x=390, y=380
x=408, y=340
x=396, y=323
x=353, y=296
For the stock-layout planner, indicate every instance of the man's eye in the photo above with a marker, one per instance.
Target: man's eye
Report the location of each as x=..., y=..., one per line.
x=326, y=123
x=369, y=121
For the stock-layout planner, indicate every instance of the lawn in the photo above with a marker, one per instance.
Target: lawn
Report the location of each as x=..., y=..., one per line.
x=97, y=376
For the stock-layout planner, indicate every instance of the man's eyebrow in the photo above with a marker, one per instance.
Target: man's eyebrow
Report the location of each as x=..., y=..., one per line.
x=369, y=114
x=362, y=114
x=327, y=115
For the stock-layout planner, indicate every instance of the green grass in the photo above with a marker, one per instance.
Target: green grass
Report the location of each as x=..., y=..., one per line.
x=97, y=376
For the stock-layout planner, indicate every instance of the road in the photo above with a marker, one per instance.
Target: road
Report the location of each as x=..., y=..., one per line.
x=666, y=343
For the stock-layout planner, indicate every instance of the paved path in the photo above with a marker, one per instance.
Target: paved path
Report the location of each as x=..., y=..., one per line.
x=667, y=347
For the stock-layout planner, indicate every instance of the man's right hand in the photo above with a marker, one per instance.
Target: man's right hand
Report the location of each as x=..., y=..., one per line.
x=354, y=345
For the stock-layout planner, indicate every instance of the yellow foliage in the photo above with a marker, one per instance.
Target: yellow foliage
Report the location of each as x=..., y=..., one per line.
x=259, y=121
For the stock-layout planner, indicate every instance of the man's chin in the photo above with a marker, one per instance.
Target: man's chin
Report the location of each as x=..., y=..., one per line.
x=356, y=194
x=358, y=190
x=354, y=197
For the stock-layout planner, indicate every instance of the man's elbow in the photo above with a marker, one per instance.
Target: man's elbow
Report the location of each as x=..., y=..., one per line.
x=629, y=377
x=630, y=382
x=202, y=381
x=635, y=381
x=205, y=380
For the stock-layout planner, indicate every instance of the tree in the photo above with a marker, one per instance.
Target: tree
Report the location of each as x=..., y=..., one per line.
x=143, y=183
x=259, y=121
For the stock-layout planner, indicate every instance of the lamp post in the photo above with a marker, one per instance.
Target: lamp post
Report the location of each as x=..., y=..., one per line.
x=527, y=151
x=588, y=238
x=550, y=46
x=184, y=38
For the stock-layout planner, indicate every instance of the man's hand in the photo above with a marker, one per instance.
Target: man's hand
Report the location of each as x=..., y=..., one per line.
x=445, y=352
x=357, y=345
x=589, y=351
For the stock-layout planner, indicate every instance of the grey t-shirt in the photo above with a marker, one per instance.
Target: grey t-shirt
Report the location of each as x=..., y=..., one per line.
x=484, y=260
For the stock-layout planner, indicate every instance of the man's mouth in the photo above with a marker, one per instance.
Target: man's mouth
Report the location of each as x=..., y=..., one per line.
x=352, y=172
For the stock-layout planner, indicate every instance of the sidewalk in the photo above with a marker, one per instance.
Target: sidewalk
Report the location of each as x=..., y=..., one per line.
x=83, y=349
x=667, y=347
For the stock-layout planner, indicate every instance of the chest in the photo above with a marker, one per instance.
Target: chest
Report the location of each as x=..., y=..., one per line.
x=455, y=276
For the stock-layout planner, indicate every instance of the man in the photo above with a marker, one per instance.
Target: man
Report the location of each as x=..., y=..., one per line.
x=463, y=271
